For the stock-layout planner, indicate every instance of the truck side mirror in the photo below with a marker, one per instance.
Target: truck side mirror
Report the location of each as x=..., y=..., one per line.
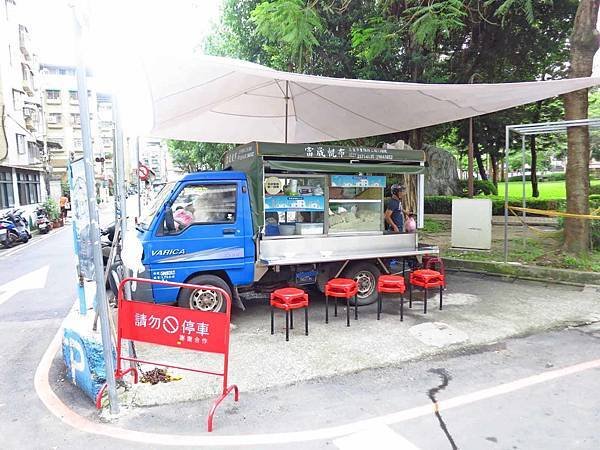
x=169, y=221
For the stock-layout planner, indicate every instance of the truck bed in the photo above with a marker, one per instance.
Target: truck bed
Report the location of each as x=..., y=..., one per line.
x=293, y=250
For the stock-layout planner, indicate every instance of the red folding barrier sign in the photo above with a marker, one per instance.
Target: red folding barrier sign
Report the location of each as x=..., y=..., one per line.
x=173, y=326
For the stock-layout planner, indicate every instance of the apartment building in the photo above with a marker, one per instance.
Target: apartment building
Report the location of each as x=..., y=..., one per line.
x=63, y=122
x=154, y=154
x=22, y=149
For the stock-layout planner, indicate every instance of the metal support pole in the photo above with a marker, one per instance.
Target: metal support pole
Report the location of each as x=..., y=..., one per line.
x=470, y=188
x=506, y=150
x=421, y=201
x=121, y=194
x=524, y=179
x=139, y=184
x=470, y=151
x=287, y=98
x=120, y=186
x=101, y=301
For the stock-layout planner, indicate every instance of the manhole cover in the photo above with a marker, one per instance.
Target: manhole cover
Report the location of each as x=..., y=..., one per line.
x=437, y=334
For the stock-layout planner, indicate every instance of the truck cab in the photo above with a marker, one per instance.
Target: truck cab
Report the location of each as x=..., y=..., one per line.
x=199, y=231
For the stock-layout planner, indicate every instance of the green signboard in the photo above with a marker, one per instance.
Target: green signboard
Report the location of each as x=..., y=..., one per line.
x=322, y=151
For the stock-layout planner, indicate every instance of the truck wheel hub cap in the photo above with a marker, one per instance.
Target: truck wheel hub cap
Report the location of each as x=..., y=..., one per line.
x=205, y=300
x=366, y=283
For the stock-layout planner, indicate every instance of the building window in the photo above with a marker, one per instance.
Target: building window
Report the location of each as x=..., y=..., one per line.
x=75, y=120
x=20, y=144
x=107, y=142
x=33, y=152
x=73, y=96
x=29, y=187
x=53, y=94
x=7, y=198
x=106, y=124
x=17, y=99
x=77, y=143
x=54, y=118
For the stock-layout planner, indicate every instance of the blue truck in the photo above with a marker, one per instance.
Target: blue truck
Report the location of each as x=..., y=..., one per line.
x=279, y=214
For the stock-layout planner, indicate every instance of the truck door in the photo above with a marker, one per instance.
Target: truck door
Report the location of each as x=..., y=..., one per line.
x=208, y=236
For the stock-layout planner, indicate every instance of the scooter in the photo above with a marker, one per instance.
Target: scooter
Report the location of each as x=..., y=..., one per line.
x=42, y=222
x=15, y=229
x=8, y=233
x=17, y=226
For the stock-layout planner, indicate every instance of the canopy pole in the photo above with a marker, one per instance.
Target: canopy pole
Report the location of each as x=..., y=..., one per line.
x=287, y=98
x=524, y=201
x=506, y=148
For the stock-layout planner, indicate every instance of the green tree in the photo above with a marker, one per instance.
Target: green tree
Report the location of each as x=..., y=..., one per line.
x=584, y=45
x=290, y=25
x=197, y=156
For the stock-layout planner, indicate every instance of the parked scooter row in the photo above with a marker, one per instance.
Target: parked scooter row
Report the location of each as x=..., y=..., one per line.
x=13, y=228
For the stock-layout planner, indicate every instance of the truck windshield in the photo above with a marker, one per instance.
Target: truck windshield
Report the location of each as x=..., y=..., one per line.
x=147, y=217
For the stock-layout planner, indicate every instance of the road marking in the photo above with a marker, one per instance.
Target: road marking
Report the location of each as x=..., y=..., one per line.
x=71, y=418
x=31, y=280
x=380, y=437
x=32, y=242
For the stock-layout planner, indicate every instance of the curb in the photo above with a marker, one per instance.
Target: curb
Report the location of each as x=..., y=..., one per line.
x=522, y=271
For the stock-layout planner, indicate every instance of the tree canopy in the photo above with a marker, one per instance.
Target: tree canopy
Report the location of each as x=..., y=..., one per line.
x=197, y=156
x=446, y=41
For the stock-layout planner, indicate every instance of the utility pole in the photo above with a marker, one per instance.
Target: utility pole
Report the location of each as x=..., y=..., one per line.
x=88, y=160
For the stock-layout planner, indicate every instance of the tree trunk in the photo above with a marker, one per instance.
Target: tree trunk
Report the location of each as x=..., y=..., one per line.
x=584, y=44
x=494, y=169
x=535, y=192
x=416, y=139
x=532, y=143
x=480, y=164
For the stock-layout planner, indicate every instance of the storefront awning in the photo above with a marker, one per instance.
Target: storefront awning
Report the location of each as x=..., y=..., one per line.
x=342, y=167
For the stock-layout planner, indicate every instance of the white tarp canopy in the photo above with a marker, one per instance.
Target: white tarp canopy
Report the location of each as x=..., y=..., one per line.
x=211, y=99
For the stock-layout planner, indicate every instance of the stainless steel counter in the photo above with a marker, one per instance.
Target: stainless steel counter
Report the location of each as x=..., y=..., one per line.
x=281, y=252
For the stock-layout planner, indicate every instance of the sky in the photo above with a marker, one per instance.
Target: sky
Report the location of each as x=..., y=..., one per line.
x=120, y=35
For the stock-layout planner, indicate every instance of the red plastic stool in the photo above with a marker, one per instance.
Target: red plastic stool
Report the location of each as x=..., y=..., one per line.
x=341, y=288
x=390, y=284
x=289, y=299
x=430, y=262
x=426, y=279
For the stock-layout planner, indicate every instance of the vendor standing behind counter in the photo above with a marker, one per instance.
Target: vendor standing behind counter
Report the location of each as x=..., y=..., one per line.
x=394, y=213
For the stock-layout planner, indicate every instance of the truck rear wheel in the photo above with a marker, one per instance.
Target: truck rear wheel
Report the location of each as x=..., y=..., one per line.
x=204, y=299
x=366, y=275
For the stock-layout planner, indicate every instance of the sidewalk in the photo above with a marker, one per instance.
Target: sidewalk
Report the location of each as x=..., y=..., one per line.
x=478, y=310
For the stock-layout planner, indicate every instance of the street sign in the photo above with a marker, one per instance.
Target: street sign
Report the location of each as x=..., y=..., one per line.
x=81, y=219
x=173, y=326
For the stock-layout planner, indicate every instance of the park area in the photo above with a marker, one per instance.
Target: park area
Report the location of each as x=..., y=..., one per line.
x=539, y=242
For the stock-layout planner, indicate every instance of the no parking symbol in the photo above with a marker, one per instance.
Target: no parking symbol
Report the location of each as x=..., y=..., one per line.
x=170, y=324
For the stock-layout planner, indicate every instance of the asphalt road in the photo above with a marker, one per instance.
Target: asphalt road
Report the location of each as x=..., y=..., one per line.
x=555, y=414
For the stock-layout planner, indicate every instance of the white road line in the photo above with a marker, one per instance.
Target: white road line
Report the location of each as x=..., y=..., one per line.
x=380, y=437
x=35, y=279
x=71, y=418
x=21, y=247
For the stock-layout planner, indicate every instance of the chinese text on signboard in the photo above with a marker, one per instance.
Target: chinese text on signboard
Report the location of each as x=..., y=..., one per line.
x=173, y=327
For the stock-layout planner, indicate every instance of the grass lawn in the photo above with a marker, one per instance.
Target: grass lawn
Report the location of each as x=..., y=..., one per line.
x=548, y=189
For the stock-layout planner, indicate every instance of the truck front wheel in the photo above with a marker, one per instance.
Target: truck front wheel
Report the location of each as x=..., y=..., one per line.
x=366, y=275
x=204, y=299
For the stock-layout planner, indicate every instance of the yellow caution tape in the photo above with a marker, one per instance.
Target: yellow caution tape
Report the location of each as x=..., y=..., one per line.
x=545, y=233
x=543, y=212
